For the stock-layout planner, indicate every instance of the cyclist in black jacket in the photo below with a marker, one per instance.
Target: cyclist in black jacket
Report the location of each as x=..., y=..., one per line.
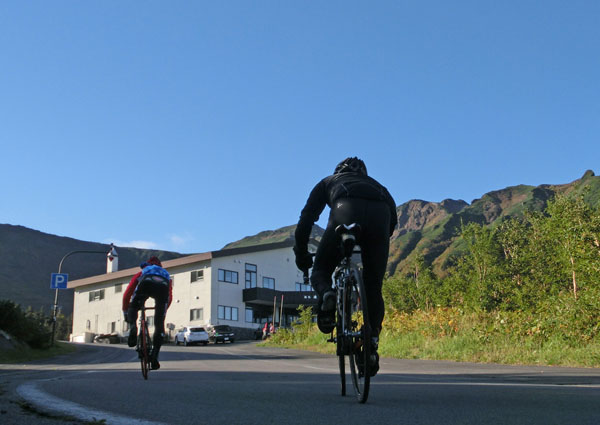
x=353, y=197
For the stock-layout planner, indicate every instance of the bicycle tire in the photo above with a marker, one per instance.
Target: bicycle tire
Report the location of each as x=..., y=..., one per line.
x=359, y=335
x=144, y=348
x=340, y=349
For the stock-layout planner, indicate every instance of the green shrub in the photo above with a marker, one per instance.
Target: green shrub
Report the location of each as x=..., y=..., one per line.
x=30, y=327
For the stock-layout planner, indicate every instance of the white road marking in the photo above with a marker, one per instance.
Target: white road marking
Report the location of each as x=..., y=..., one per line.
x=33, y=394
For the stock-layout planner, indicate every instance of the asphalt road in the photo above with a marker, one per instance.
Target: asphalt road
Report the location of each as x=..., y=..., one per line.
x=244, y=384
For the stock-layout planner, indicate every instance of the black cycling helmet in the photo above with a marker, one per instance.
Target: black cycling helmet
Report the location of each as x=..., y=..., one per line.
x=351, y=165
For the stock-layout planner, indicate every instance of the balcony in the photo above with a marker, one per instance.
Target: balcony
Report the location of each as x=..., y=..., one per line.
x=291, y=299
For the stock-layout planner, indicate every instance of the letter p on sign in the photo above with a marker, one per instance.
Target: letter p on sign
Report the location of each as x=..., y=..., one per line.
x=59, y=280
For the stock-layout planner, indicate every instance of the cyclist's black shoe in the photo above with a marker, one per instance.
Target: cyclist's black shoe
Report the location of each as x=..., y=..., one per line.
x=326, y=321
x=132, y=340
x=328, y=301
x=373, y=360
x=374, y=363
x=154, y=364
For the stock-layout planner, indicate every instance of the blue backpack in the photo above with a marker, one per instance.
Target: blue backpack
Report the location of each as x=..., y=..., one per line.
x=153, y=270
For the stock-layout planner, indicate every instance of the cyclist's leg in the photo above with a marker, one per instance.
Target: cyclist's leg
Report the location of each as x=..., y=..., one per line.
x=137, y=301
x=161, y=296
x=375, y=251
x=325, y=262
x=375, y=247
x=326, y=259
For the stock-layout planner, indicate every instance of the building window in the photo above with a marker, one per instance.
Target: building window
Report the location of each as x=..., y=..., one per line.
x=304, y=287
x=150, y=320
x=88, y=325
x=118, y=288
x=228, y=276
x=196, y=314
x=268, y=282
x=249, y=315
x=250, y=275
x=197, y=275
x=97, y=295
x=227, y=313
x=112, y=327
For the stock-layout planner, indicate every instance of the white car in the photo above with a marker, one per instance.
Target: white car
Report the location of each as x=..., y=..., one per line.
x=191, y=335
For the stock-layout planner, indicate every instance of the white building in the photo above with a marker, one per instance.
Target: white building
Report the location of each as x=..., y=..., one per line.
x=240, y=287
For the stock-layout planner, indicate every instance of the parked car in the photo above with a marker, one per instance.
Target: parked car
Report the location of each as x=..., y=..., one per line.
x=107, y=338
x=220, y=333
x=191, y=335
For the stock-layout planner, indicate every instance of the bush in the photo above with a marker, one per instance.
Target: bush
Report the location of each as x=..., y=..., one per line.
x=30, y=327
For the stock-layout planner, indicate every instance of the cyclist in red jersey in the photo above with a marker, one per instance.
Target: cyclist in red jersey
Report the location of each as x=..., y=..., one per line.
x=151, y=282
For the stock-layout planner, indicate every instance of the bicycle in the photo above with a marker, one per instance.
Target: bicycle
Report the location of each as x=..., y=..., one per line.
x=144, y=343
x=352, y=329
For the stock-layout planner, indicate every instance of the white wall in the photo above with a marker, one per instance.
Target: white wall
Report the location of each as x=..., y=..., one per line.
x=99, y=313
x=207, y=294
x=189, y=295
x=278, y=264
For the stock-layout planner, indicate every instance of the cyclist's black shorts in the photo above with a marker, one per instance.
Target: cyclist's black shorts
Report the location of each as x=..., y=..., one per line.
x=148, y=288
x=374, y=219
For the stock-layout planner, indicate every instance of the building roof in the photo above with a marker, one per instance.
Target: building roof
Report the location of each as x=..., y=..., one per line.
x=182, y=261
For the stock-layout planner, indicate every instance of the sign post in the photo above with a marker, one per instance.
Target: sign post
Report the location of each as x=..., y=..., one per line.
x=59, y=281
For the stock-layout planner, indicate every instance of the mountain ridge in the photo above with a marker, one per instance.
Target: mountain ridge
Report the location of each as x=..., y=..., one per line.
x=427, y=229
x=30, y=256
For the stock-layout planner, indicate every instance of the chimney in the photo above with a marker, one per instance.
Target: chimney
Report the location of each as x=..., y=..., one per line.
x=112, y=260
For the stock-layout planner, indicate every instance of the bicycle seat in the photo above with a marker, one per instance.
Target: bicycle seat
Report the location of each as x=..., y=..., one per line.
x=348, y=233
x=352, y=229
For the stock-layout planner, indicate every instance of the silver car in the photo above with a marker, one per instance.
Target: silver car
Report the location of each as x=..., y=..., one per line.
x=191, y=335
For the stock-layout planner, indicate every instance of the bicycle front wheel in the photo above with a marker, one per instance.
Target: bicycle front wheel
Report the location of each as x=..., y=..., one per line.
x=359, y=336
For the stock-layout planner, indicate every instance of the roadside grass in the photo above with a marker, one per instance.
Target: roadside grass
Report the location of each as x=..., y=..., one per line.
x=450, y=334
x=26, y=354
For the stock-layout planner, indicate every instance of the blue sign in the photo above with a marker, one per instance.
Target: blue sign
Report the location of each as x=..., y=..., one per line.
x=59, y=280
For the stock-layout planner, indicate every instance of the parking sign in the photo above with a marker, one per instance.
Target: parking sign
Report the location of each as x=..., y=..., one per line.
x=59, y=280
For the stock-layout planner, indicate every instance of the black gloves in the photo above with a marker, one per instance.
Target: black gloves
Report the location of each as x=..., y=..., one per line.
x=304, y=260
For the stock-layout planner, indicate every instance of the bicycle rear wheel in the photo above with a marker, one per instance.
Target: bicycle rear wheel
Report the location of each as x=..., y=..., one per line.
x=144, y=349
x=340, y=339
x=358, y=336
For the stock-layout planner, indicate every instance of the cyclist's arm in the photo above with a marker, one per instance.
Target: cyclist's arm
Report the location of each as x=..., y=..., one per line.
x=393, y=212
x=394, y=217
x=310, y=214
x=129, y=291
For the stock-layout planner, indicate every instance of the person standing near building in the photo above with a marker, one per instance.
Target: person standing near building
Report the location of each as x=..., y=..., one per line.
x=151, y=282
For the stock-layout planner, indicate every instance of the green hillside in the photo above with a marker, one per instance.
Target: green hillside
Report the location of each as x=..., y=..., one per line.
x=273, y=236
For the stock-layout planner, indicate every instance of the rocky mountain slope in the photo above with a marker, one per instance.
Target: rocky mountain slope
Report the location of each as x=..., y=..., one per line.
x=431, y=228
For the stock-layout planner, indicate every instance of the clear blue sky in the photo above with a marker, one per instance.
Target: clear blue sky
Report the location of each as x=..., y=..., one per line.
x=187, y=125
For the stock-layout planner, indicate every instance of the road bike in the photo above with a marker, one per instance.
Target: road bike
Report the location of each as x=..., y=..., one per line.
x=144, y=343
x=352, y=332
